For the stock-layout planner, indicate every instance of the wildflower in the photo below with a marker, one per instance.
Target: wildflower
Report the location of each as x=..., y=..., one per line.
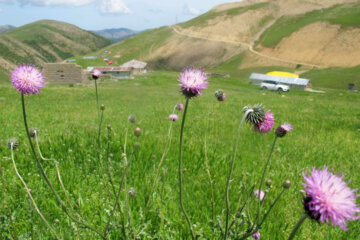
x=13, y=143
x=173, y=117
x=262, y=194
x=283, y=129
x=102, y=107
x=328, y=198
x=96, y=74
x=266, y=125
x=27, y=79
x=220, y=95
x=257, y=114
x=192, y=81
x=179, y=106
x=256, y=236
x=132, y=119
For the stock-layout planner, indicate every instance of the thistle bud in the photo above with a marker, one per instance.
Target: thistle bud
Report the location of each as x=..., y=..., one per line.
x=220, y=95
x=286, y=184
x=179, y=106
x=256, y=113
x=108, y=127
x=137, y=132
x=132, y=119
x=102, y=107
x=132, y=192
x=33, y=132
x=96, y=74
x=13, y=143
x=283, y=129
x=268, y=182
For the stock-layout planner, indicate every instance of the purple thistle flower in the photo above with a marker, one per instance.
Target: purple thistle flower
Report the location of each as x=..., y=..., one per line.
x=283, y=129
x=96, y=74
x=256, y=236
x=27, y=79
x=192, y=82
x=179, y=106
x=266, y=125
x=173, y=117
x=262, y=194
x=328, y=198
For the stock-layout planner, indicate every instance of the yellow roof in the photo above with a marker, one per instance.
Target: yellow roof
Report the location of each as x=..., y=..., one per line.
x=283, y=74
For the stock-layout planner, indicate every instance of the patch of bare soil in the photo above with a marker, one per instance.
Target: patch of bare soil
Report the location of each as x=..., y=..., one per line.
x=320, y=43
x=180, y=51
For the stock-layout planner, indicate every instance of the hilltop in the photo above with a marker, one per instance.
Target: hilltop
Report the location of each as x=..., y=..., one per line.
x=45, y=41
x=254, y=33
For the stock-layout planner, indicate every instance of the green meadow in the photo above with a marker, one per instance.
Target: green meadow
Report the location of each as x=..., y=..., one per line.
x=326, y=132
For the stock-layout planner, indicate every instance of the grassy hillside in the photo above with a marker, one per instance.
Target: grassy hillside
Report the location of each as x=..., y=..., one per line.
x=344, y=15
x=137, y=47
x=334, y=77
x=47, y=41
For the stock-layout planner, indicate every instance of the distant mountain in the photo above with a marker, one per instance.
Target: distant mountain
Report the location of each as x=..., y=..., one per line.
x=5, y=28
x=46, y=41
x=116, y=34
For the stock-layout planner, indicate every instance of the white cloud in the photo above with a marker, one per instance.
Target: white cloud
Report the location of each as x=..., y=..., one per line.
x=190, y=10
x=75, y=3
x=114, y=7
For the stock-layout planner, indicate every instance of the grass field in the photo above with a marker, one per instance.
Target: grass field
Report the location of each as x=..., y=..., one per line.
x=326, y=131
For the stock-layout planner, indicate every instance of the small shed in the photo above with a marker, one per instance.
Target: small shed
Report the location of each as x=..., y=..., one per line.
x=291, y=80
x=137, y=66
x=116, y=72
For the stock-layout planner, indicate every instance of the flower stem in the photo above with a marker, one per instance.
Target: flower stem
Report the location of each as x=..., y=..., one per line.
x=180, y=170
x=157, y=172
x=262, y=180
x=56, y=166
x=63, y=207
x=106, y=230
x=209, y=174
x=272, y=205
x=28, y=191
x=97, y=97
x=230, y=172
x=301, y=220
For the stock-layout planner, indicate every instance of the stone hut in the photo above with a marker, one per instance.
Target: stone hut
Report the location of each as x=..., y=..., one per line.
x=64, y=73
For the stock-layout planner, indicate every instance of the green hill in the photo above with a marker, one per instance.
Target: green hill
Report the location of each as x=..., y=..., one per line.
x=46, y=41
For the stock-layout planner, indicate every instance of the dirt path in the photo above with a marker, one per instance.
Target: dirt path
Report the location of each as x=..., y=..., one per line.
x=247, y=45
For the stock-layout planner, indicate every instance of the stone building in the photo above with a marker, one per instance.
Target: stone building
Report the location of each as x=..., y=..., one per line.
x=64, y=73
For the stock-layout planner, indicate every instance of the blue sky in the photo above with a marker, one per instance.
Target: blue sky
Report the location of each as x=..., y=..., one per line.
x=100, y=14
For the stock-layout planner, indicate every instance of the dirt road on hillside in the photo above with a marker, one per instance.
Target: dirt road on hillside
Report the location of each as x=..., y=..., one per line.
x=177, y=30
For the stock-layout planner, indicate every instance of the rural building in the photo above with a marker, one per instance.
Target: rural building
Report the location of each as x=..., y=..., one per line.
x=115, y=72
x=289, y=79
x=137, y=67
x=64, y=73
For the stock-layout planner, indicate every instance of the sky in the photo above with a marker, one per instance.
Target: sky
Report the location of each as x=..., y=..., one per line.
x=101, y=14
